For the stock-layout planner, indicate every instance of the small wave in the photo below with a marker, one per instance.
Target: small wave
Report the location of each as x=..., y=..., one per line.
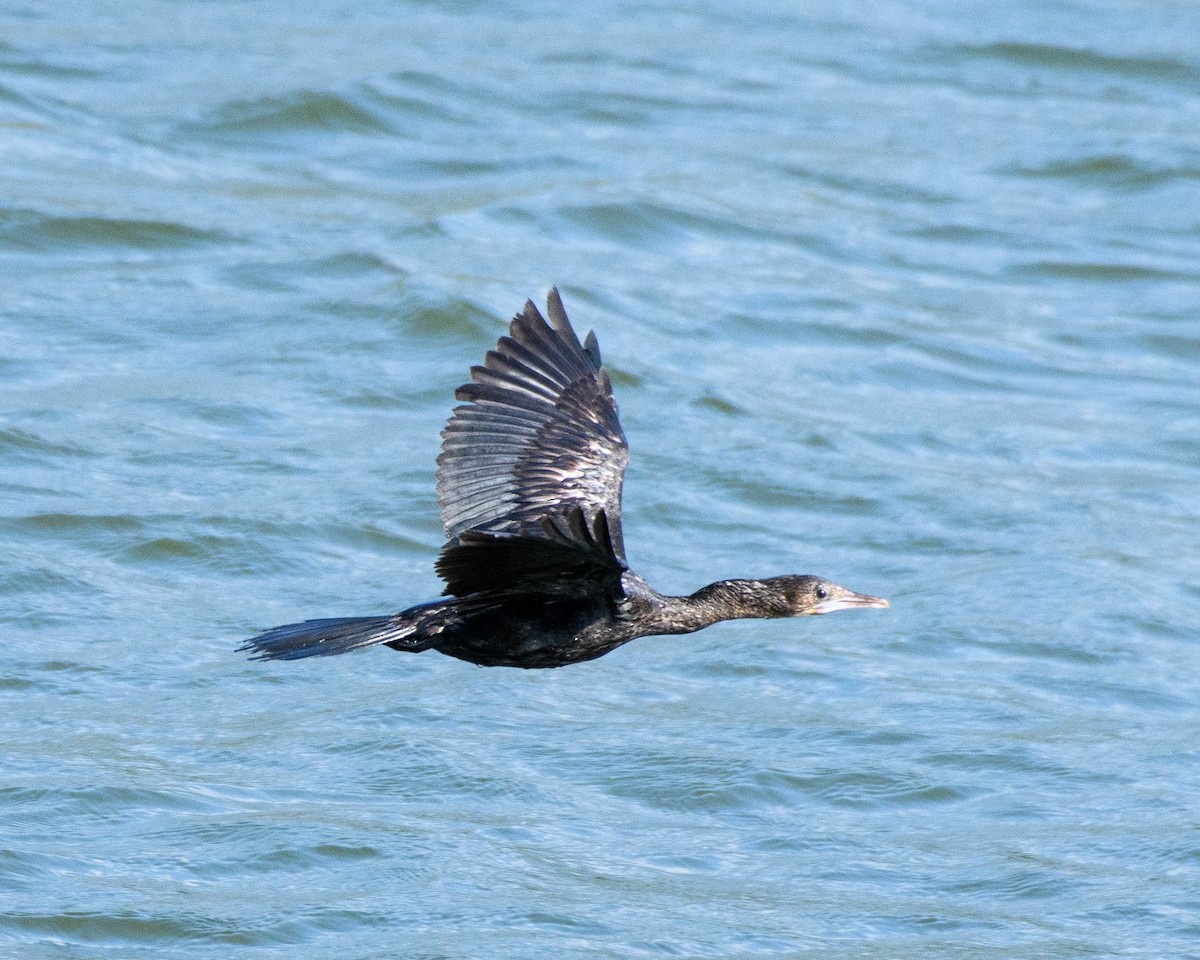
x=659, y=225
x=28, y=230
x=876, y=188
x=316, y=273
x=13, y=98
x=960, y=233
x=849, y=789
x=454, y=317
x=1112, y=170
x=304, y=111
x=1098, y=272
x=73, y=524
x=34, y=63
x=1055, y=56
x=1184, y=345
x=17, y=442
x=424, y=97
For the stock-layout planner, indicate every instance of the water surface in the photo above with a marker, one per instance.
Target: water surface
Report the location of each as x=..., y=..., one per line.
x=898, y=298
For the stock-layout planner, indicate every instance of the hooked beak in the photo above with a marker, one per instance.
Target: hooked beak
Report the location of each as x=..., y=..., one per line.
x=847, y=601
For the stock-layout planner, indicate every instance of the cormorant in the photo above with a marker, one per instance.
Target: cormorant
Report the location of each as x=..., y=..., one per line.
x=529, y=485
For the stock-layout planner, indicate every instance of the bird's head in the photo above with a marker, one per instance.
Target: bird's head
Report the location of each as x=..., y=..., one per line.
x=807, y=596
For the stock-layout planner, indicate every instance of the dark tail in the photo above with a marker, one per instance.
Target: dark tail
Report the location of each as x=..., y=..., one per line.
x=324, y=638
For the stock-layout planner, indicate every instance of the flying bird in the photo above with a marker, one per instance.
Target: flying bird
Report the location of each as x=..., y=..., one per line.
x=529, y=484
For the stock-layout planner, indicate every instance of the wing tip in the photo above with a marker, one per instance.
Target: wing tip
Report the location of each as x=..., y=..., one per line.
x=529, y=314
x=559, y=320
x=558, y=313
x=591, y=346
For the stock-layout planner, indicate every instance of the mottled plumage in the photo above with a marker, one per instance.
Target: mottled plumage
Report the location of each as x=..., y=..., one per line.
x=529, y=484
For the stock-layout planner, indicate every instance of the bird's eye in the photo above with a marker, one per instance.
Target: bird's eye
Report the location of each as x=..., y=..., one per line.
x=821, y=593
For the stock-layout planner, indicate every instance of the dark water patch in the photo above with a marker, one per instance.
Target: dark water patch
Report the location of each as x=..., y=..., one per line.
x=959, y=233
x=981, y=369
x=353, y=309
x=425, y=102
x=40, y=64
x=854, y=790
x=453, y=183
x=656, y=225
x=561, y=924
x=1050, y=882
x=608, y=116
x=873, y=188
x=759, y=491
x=1016, y=758
x=183, y=927
x=230, y=416
x=42, y=579
x=706, y=784
x=879, y=738
x=640, y=223
x=1097, y=272
x=22, y=870
x=622, y=378
x=352, y=266
x=28, y=231
x=851, y=334
x=108, y=801
x=424, y=772
x=633, y=60
x=33, y=108
x=373, y=537
x=243, y=548
x=634, y=111
x=170, y=549
x=1077, y=59
x=1182, y=346
x=376, y=399
x=95, y=929
x=729, y=668
x=513, y=216
x=406, y=109
x=76, y=525
x=235, y=825
x=67, y=666
x=1112, y=171
x=457, y=318
x=241, y=554
x=1063, y=652
x=461, y=169
x=717, y=404
x=288, y=860
x=438, y=87
x=56, y=676
x=676, y=782
x=302, y=112
x=15, y=441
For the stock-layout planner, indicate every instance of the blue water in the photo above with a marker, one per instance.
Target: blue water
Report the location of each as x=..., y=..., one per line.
x=903, y=295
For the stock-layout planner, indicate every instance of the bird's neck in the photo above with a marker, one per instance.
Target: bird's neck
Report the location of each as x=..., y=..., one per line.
x=723, y=600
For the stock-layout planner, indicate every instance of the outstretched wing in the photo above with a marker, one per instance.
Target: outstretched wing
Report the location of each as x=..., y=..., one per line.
x=566, y=557
x=537, y=439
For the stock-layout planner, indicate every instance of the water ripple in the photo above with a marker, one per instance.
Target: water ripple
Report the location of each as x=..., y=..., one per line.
x=28, y=231
x=899, y=298
x=1078, y=59
x=1109, y=170
x=298, y=112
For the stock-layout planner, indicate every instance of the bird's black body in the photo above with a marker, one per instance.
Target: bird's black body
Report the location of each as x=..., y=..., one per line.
x=529, y=484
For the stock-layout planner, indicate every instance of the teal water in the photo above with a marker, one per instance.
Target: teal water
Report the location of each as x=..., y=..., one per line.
x=901, y=296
